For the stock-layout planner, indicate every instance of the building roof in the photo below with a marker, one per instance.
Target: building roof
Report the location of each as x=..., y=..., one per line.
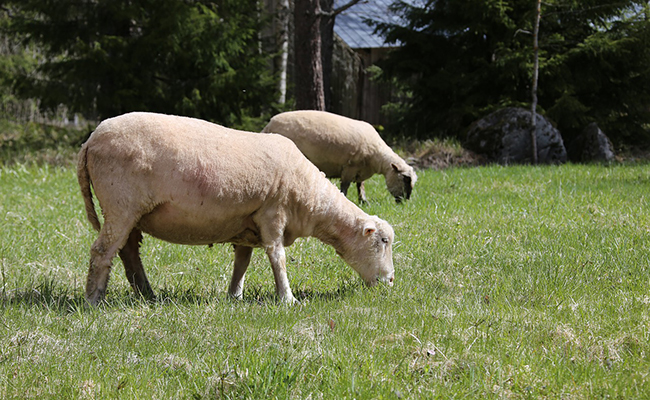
x=350, y=25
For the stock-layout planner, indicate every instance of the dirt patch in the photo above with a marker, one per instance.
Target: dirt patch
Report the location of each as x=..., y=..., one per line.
x=437, y=155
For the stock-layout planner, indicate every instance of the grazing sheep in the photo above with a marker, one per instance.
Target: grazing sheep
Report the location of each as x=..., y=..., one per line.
x=345, y=148
x=188, y=181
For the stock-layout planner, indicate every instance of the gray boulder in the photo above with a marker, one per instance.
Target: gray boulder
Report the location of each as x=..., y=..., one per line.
x=504, y=137
x=592, y=145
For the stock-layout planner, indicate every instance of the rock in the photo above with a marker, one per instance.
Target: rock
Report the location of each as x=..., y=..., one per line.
x=592, y=145
x=504, y=137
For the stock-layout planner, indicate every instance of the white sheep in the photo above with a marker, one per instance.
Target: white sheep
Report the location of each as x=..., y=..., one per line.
x=188, y=181
x=345, y=148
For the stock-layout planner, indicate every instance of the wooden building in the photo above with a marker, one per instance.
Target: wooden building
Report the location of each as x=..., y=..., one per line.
x=356, y=48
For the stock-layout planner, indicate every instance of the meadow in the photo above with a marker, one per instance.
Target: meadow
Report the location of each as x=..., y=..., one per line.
x=511, y=282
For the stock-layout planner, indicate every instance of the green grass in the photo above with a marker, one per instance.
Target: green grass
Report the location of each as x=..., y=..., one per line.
x=517, y=282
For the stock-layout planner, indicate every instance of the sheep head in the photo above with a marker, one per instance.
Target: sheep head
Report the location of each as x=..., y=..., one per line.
x=400, y=180
x=370, y=251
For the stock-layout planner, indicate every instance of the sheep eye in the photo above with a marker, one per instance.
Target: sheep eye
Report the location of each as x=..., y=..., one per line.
x=385, y=240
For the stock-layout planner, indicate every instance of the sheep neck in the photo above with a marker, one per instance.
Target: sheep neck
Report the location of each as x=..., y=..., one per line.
x=338, y=224
x=382, y=159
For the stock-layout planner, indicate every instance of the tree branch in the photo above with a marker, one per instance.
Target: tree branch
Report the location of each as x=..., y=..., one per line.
x=344, y=7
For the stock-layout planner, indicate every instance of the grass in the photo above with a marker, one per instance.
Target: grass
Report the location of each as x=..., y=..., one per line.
x=517, y=282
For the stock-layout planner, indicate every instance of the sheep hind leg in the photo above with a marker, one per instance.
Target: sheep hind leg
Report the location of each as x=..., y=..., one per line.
x=130, y=255
x=242, y=259
x=102, y=252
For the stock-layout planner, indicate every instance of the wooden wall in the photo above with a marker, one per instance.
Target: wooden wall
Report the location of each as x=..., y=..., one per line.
x=354, y=94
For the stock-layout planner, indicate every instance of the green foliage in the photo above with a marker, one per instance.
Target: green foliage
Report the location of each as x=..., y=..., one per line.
x=460, y=58
x=107, y=57
x=14, y=59
x=602, y=76
x=464, y=58
x=39, y=143
x=518, y=282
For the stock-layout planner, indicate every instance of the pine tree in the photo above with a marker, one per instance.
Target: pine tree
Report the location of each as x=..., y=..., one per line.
x=464, y=58
x=596, y=68
x=106, y=57
x=459, y=58
x=15, y=59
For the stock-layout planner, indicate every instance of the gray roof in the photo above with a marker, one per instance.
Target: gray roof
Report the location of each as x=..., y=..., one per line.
x=350, y=25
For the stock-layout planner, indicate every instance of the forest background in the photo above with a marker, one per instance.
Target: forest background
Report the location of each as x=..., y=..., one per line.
x=452, y=63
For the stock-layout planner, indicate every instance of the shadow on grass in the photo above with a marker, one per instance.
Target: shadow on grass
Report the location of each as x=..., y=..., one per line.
x=49, y=296
x=346, y=289
x=266, y=294
x=45, y=295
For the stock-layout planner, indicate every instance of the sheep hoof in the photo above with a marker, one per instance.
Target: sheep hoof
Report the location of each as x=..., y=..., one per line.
x=289, y=300
x=235, y=296
x=149, y=297
x=95, y=297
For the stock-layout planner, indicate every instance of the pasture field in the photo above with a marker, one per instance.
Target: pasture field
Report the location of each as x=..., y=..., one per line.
x=511, y=282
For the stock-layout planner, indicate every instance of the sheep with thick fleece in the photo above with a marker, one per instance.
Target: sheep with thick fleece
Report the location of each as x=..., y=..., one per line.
x=189, y=181
x=345, y=148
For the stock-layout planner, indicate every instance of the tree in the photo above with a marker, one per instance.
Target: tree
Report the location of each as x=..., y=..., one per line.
x=314, y=32
x=457, y=59
x=461, y=59
x=595, y=68
x=533, y=107
x=310, y=92
x=282, y=18
x=106, y=57
x=14, y=57
x=330, y=12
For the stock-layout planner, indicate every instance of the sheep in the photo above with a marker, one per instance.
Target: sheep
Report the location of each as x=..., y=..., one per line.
x=345, y=148
x=188, y=181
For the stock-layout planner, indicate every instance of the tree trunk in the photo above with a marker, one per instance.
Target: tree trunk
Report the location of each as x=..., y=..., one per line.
x=282, y=20
x=314, y=44
x=327, y=48
x=327, y=42
x=310, y=94
x=533, y=111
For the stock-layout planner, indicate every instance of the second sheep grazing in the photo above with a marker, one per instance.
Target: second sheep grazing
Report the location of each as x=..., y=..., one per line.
x=189, y=181
x=345, y=148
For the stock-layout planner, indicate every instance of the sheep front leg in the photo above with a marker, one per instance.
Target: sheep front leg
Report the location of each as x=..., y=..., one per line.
x=278, y=261
x=345, y=185
x=242, y=259
x=347, y=177
x=361, y=190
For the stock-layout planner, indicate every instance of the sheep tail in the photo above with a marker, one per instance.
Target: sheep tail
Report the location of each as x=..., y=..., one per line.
x=84, y=183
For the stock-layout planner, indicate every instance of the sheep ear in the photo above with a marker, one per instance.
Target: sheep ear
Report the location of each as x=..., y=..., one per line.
x=369, y=229
x=395, y=168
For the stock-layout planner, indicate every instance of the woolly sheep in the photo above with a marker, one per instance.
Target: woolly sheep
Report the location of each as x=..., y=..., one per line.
x=188, y=181
x=345, y=148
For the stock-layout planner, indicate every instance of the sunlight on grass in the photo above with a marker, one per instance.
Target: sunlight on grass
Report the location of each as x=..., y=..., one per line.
x=518, y=282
